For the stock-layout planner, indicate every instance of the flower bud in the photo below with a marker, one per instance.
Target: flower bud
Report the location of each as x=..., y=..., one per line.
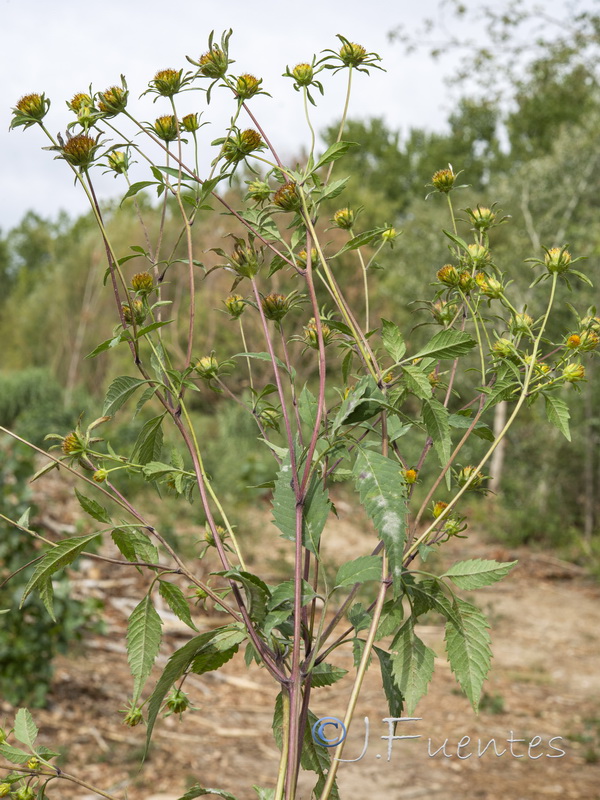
x=166, y=128
x=275, y=306
x=478, y=255
x=244, y=259
x=434, y=379
x=25, y=793
x=490, y=287
x=167, y=82
x=389, y=235
x=344, y=218
x=241, y=144
x=118, y=161
x=557, y=260
x=443, y=180
x=270, y=418
x=482, y=217
x=207, y=367
x=259, y=191
x=72, y=444
x=439, y=508
x=466, y=282
x=133, y=717
x=214, y=63
x=33, y=763
x=100, y=475
x=589, y=340
x=34, y=106
x=352, y=54
x=235, y=305
x=303, y=74
x=79, y=151
x=287, y=197
x=190, y=123
x=590, y=323
x=573, y=341
x=209, y=536
x=178, y=702
x=310, y=336
x=453, y=526
x=79, y=101
x=142, y=283
x=443, y=312
x=246, y=86
x=113, y=100
x=573, y=373
x=410, y=476
x=504, y=348
x=5, y=788
x=469, y=473
x=448, y=275
x=134, y=310
x=302, y=259
x=521, y=323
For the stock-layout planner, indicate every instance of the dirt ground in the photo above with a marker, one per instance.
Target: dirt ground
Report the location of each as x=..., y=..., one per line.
x=544, y=682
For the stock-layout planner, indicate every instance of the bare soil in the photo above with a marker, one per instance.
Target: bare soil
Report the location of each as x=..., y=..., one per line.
x=544, y=683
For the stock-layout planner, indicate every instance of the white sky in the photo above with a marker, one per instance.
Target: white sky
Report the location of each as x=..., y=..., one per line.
x=61, y=47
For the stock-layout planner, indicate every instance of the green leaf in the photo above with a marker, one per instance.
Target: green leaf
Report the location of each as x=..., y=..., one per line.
x=412, y=665
x=359, y=617
x=315, y=511
x=60, y=556
x=307, y=406
x=266, y=357
x=337, y=150
x=416, y=381
x=177, y=602
x=468, y=648
x=361, y=569
x=177, y=173
x=477, y=572
x=382, y=493
x=199, y=791
x=176, y=666
x=264, y=794
x=502, y=390
x=461, y=422
x=392, y=693
x=393, y=341
x=135, y=188
x=210, y=660
x=362, y=402
x=156, y=469
x=152, y=327
x=435, y=417
x=285, y=592
x=326, y=675
x=13, y=754
x=360, y=241
x=107, y=344
x=118, y=392
x=447, y=344
x=93, y=508
x=557, y=412
x=391, y=618
x=257, y=592
x=143, y=642
x=148, y=445
x=135, y=545
x=23, y=521
x=25, y=729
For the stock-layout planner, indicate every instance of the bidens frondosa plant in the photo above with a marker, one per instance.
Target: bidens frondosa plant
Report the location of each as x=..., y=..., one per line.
x=378, y=409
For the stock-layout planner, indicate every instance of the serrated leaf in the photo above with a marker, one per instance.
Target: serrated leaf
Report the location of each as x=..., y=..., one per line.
x=177, y=665
x=335, y=151
x=46, y=593
x=148, y=445
x=392, y=693
x=360, y=241
x=502, y=390
x=143, y=642
x=468, y=648
x=267, y=357
x=435, y=417
x=361, y=569
x=416, y=381
x=326, y=675
x=315, y=511
x=135, y=545
x=285, y=592
x=119, y=392
x=25, y=729
x=257, y=592
x=93, y=508
x=177, y=602
x=383, y=495
x=210, y=660
x=200, y=791
x=393, y=341
x=135, y=188
x=557, y=412
x=60, y=556
x=391, y=618
x=23, y=521
x=477, y=572
x=307, y=407
x=412, y=665
x=107, y=344
x=447, y=344
x=13, y=754
x=152, y=327
x=359, y=617
x=461, y=422
x=146, y=395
